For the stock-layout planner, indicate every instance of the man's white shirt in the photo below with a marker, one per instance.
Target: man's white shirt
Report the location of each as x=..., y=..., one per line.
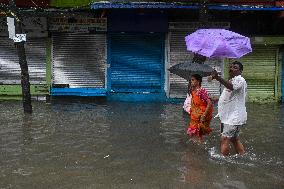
x=231, y=105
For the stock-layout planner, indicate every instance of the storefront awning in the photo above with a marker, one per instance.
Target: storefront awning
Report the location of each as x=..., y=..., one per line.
x=244, y=8
x=142, y=6
x=182, y=6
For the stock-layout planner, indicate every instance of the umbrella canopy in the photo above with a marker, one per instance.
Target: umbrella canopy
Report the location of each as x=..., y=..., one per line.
x=185, y=70
x=218, y=43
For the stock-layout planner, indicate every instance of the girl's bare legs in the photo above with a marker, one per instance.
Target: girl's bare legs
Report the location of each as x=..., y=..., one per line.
x=201, y=140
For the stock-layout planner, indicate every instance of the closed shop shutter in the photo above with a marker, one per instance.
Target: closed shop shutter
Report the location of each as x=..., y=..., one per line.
x=10, y=71
x=79, y=60
x=137, y=62
x=259, y=72
x=179, y=54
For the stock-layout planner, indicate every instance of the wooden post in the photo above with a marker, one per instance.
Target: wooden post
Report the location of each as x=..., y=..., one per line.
x=25, y=78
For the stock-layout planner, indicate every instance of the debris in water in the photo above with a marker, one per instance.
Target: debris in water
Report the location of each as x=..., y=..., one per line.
x=106, y=156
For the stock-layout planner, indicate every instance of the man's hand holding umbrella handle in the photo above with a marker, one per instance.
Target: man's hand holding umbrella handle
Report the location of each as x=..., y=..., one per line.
x=214, y=75
x=227, y=84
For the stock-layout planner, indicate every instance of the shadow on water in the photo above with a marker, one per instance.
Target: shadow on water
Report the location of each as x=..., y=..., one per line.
x=79, y=143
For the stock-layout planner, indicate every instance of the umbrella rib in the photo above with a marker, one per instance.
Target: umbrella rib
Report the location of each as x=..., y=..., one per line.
x=215, y=47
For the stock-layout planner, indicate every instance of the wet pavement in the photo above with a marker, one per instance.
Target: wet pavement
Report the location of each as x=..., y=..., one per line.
x=79, y=144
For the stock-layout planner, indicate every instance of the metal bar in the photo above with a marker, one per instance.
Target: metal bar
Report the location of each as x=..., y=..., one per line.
x=244, y=8
x=142, y=5
x=180, y=6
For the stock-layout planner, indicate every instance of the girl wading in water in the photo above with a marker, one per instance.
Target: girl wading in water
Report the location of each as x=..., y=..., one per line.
x=201, y=109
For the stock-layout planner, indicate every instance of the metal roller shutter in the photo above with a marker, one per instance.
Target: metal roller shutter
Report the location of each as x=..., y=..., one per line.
x=10, y=72
x=259, y=72
x=79, y=60
x=137, y=62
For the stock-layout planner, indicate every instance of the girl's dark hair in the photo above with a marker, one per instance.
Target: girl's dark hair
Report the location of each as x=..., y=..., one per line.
x=197, y=77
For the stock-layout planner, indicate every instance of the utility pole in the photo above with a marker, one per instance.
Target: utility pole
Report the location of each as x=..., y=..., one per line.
x=203, y=14
x=203, y=23
x=25, y=83
x=25, y=78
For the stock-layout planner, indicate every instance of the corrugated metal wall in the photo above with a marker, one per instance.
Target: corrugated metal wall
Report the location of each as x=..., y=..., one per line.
x=137, y=62
x=179, y=54
x=10, y=71
x=259, y=72
x=79, y=60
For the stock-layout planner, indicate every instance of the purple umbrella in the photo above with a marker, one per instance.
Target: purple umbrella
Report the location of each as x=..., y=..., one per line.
x=218, y=43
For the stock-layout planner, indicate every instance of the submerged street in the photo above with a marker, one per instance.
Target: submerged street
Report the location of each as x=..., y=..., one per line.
x=103, y=85
x=79, y=144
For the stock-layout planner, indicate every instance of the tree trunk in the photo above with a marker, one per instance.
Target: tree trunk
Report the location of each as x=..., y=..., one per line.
x=27, y=104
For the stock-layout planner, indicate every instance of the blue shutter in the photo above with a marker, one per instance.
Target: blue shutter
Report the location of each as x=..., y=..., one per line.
x=136, y=62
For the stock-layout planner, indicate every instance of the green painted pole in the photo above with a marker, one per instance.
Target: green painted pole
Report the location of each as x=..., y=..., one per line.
x=277, y=76
x=48, y=63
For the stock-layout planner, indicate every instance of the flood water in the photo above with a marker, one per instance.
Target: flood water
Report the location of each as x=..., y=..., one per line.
x=78, y=144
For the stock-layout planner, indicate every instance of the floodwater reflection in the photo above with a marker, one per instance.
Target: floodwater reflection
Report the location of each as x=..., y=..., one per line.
x=75, y=144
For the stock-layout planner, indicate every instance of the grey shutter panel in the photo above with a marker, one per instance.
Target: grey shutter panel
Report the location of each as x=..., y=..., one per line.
x=178, y=54
x=10, y=72
x=79, y=60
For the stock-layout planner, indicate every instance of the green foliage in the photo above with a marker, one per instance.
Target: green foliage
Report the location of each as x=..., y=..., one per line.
x=71, y=3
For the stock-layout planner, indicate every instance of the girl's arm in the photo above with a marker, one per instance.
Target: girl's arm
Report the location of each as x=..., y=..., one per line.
x=209, y=105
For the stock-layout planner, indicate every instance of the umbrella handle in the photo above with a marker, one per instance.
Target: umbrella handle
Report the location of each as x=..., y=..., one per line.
x=209, y=78
x=197, y=58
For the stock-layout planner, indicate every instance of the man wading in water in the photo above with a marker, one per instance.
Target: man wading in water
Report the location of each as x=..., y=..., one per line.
x=231, y=108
